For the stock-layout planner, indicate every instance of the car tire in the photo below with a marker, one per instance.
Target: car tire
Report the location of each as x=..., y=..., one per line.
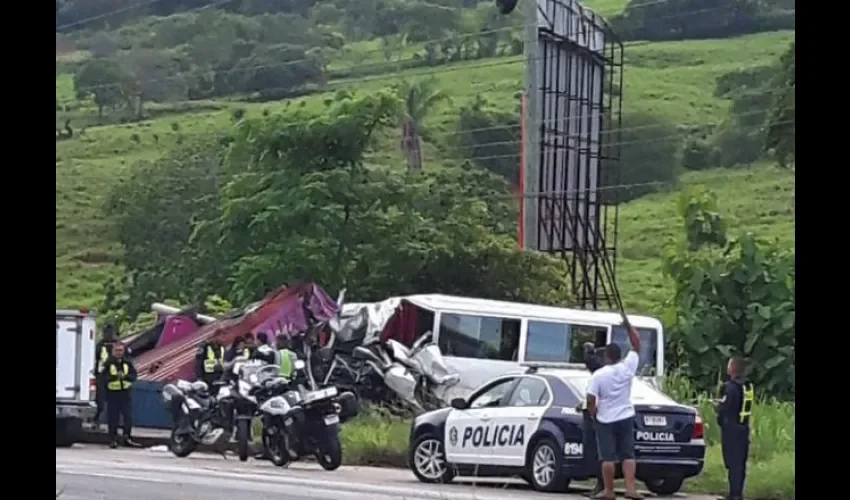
x=664, y=486
x=544, y=467
x=425, y=446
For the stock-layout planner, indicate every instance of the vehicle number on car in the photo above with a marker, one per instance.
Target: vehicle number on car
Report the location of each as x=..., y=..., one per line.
x=655, y=420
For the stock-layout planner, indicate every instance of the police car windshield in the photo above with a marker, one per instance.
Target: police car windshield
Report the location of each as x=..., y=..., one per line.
x=642, y=392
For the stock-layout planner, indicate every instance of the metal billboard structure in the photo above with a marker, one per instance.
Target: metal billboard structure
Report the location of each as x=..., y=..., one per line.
x=573, y=82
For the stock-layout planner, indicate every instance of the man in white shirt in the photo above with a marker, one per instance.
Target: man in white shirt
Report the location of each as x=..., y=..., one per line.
x=609, y=401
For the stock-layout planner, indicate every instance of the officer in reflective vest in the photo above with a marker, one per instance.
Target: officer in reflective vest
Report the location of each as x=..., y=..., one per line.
x=286, y=356
x=102, y=351
x=209, y=362
x=119, y=373
x=734, y=411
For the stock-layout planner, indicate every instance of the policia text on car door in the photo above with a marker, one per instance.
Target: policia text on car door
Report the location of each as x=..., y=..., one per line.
x=734, y=411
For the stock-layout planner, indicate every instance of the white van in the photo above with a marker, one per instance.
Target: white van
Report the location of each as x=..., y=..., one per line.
x=483, y=338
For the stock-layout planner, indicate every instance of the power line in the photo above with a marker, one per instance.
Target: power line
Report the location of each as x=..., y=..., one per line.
x=565, y=120
x=133, y=7
x=670, y=137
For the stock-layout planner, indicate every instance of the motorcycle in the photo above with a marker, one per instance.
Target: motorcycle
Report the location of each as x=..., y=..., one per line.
x=199, y=415
x=298, y=422
x=418, y=375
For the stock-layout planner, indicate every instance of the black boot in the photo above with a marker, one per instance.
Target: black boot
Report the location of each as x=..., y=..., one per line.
x=129, y=443
x=113, y=444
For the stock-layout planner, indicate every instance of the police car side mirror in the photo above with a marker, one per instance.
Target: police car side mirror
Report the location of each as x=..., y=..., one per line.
x=458, y=404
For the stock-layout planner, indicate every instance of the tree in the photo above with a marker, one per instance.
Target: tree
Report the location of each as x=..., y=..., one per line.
x=490, y=139
x=274, y=71
x=295, y=201
x=419, y=98
x=100, y=79
x=153, y=76
x=733, y=296
x=155, y=210
x=781, y=122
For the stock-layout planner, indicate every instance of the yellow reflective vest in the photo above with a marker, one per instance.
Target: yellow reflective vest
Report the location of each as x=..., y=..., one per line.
x=211, y=360
x=119, y=376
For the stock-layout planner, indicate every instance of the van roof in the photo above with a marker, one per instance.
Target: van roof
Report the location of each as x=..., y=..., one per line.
x=501, y=308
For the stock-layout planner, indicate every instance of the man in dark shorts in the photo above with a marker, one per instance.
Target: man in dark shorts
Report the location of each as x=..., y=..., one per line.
x=609, y=400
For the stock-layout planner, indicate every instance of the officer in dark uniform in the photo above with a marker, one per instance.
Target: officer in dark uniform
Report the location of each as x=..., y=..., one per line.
x=733, y=415
x=102, y=351
x=209, y=362
x=592, y=361
x=119, y=373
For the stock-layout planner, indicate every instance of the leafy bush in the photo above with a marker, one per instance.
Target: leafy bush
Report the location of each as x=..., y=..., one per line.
x=733, y=296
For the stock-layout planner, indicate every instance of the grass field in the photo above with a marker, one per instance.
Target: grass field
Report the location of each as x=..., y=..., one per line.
x=376, y=439
x=674, y=79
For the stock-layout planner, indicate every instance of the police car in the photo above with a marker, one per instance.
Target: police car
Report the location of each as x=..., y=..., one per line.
x=527, y=425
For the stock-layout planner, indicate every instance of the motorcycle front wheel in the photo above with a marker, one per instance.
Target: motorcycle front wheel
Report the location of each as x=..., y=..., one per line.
x=275, y=449
x=181, y=443
x=243, y=430
x=329, y=454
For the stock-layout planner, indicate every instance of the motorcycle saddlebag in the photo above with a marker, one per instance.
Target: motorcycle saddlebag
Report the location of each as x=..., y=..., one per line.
x=348, y=406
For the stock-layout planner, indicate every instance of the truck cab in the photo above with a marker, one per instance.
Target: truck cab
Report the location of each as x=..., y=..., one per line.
x=75, y=373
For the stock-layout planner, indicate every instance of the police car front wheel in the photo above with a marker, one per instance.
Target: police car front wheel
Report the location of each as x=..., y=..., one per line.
x=545, y=467
x=428, y=460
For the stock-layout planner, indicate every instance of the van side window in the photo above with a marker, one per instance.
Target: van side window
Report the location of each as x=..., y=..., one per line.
x=648, y=347
x=549, y=341
x=479, y=337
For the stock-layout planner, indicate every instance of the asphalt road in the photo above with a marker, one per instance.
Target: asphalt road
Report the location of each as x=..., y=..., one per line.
x=90, y=472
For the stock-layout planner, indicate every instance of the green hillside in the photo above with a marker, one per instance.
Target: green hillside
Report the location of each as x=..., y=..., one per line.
x=675, y=80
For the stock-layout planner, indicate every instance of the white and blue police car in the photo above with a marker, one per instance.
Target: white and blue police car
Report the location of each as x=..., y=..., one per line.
x=528, y=425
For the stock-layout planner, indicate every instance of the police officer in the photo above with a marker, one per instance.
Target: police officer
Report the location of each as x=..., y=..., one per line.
x=119, y=373
x=592, y=361
x=733, y=415
x=102, y=351
x=209, y=361
x=286, y=356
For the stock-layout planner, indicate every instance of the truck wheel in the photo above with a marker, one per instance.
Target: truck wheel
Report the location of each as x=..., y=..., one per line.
x=67, y=432
x=664, y=486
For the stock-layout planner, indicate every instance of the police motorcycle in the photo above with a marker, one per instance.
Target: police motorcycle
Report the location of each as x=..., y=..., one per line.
x=199, y=415
x=418, y=375
x=298, y=422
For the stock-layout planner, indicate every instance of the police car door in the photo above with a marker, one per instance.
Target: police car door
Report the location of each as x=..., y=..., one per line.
x=465, y=429
x=518, y=418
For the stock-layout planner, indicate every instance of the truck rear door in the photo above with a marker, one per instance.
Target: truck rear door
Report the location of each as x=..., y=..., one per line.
x=74, y=355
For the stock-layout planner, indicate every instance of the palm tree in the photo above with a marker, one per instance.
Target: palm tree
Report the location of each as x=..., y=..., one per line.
x=419, y=99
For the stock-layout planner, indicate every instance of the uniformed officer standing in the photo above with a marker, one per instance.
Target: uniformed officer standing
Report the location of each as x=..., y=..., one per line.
x=592, y=361
x=120, y=373
x=286, y=356
x=209, y=362
x=102, y=351
x=733, y=415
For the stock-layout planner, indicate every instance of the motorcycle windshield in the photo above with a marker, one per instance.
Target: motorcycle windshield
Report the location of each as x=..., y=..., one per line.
x=256, y=374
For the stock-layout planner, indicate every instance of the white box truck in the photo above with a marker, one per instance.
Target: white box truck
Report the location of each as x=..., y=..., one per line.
x=75, y=377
